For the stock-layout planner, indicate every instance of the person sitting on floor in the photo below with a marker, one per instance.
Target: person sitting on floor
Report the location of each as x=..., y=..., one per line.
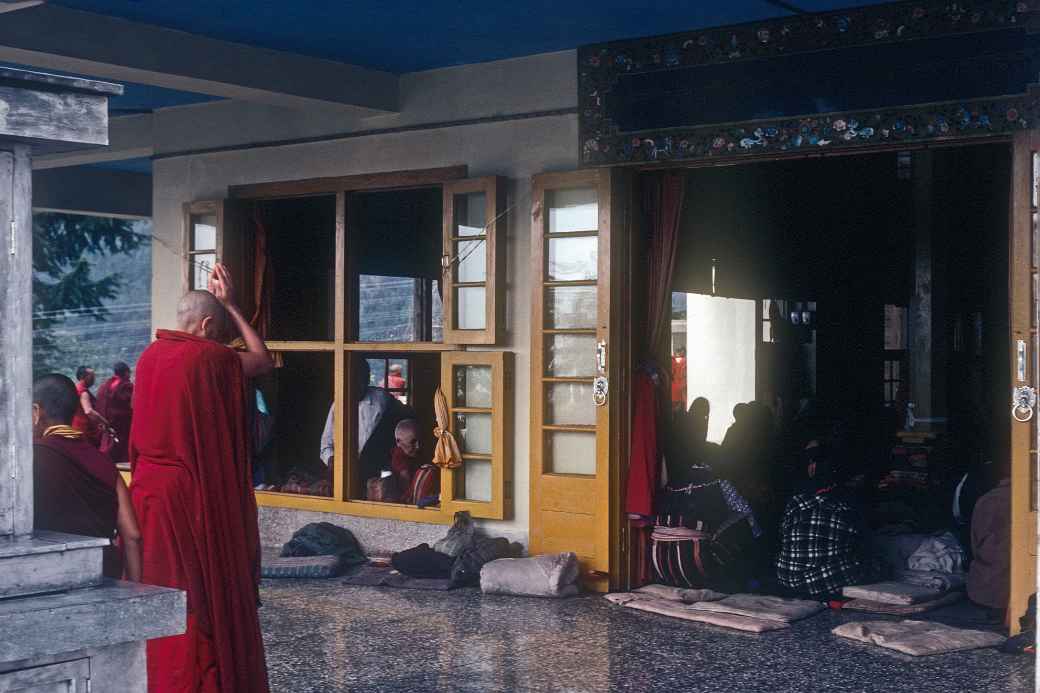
x=822, y=533
x=989, y=576
x=404, y=458
x=76, y=488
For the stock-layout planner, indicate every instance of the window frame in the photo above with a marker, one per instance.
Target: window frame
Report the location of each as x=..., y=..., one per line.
x=501, y=457
x=495, y=231
x=451, y=180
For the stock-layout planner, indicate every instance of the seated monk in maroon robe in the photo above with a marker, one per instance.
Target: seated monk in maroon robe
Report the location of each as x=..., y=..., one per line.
x=76, y=489
x=114, y=403
x=192, y=490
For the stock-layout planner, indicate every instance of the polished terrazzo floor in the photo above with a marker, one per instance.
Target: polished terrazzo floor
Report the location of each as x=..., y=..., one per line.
x=325, y=636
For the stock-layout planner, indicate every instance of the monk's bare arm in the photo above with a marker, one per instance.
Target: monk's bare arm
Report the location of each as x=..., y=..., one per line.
x=129, y=532
x=256, y=360
x=89, y=410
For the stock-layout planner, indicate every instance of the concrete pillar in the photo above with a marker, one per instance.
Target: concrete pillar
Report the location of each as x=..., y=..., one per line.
x=16, y=495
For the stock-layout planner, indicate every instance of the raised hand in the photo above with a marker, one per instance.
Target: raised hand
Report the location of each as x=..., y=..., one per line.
x=220, y=284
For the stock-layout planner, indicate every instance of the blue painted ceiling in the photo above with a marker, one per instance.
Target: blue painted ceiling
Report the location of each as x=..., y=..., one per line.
x=409, y=35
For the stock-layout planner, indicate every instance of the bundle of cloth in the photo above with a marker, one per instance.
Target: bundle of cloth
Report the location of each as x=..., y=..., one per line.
x=549, y=575
x=316, y=550
x=453, y=561
x=751, y=613
x=927, y=574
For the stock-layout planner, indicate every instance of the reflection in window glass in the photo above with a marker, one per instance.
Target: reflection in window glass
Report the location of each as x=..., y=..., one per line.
x=571, y=355
x=470, y=214
x=571, y=452
x=395, y=245
x=473, y=481
x=204, y=236
x=472, y=264
x=201, y=269
x=570, y=307
x=473, y=386
x=570, y=404
x=572, y=210
x=470, y=308
x=473, y=432
x=573, y=259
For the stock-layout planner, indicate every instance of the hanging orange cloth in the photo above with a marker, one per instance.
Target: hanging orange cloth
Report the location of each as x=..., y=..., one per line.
x=446, y=454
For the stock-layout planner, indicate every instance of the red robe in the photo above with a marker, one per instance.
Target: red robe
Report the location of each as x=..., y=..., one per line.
x=642, y=465
x=191, y=490
x=114, y=403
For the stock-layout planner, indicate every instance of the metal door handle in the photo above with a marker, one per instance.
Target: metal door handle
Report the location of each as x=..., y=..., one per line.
x=1023, y=403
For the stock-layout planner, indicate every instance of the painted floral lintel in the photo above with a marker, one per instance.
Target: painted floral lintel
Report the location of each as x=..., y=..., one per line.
x=907, y=125
x=600, y=66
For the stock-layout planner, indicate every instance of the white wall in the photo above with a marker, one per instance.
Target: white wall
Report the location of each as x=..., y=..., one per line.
x=514, y=148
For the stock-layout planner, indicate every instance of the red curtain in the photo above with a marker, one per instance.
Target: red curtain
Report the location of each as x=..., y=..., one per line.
x=662, y=207
x=663, y=195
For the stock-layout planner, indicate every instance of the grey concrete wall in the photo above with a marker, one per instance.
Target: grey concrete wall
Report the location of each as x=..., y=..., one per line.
x=515, y=148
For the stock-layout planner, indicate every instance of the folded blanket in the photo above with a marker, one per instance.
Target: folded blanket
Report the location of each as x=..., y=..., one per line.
x=300, y=566
x=550, y=575
x=764, y=607
x=892, y=593
x=687, y=612
x=679, y=594
x=944, y=582
x=902, y=609
x=378, y=576
x=917, y=638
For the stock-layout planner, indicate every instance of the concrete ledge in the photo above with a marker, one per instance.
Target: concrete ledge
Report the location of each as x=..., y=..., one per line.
x=48, y=561
x=116, y=612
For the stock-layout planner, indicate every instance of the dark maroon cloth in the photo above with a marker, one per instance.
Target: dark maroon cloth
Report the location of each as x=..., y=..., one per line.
x=404, y=469
x=114, y=403
x=74, y=491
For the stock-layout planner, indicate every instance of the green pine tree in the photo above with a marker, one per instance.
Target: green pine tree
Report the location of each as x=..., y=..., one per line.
x=62, y=282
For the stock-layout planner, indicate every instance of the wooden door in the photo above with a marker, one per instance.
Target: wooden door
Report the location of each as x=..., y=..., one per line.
x=576, y=387
x=1024, y=288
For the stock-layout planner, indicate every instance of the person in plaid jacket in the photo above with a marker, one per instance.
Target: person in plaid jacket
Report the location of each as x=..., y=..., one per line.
x=822, y=534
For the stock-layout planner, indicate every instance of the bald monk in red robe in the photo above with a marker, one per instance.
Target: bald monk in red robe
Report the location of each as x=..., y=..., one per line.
x=192, y=491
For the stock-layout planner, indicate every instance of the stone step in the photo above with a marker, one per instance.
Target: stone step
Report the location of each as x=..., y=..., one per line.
x=49, y=562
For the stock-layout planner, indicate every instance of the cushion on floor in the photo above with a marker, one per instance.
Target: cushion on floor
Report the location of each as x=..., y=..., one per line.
x=870, y=607
x=892, y=592
x=918, y=638
x=686, y=612
x=764, y=607
x=680, y=594
x=300, y=566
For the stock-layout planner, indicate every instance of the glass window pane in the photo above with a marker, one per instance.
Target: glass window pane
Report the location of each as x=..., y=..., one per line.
x=376, y=372
x=570, y=404
x=474, y=481
x=470, y=311
x=573, y=259
x=471, y=265
x=473, y=433
x=470, y=214
x=387, y=309
x=473, y=386
x=572, y=210
x=201, y=269
x=570, y=307
x=437, y=313
x=204, y=232
x=291, y=405
x=571, y=355
x=570, y=452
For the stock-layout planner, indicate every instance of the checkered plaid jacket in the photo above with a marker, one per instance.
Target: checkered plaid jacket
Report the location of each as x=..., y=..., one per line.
x=821, y=547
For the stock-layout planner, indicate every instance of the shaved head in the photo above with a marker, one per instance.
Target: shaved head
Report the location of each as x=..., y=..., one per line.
x=201, y=314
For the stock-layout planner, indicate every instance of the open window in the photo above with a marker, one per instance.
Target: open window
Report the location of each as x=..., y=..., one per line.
x=473, y=261
x=475, y=385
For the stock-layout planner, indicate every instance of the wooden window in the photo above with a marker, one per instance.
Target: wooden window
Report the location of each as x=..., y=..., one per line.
x=322, y=328
x=212, y=234
x=478, y=386
x=473, y=261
